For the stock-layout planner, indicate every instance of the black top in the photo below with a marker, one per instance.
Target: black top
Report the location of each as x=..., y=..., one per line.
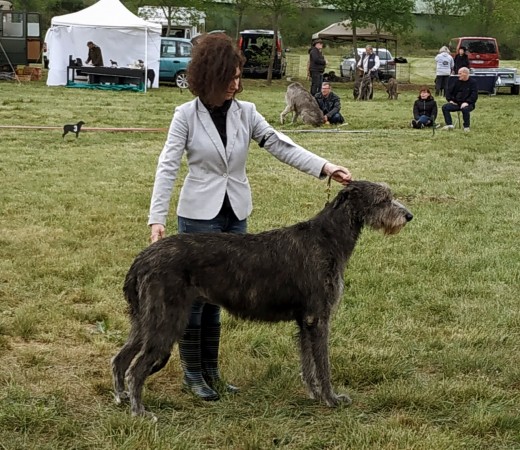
x=316, y=60
x=426, y=107
x=330, y=105
x=463, y=92
x=460, y=61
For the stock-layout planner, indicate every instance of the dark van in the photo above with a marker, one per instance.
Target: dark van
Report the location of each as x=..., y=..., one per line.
x=256, y=46
x=482, y=51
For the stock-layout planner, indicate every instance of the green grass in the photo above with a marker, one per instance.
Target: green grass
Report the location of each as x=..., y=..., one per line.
x=425, y=340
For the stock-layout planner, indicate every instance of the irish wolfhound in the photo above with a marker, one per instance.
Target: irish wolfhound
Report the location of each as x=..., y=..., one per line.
x=365, y=89
x=293, y=273
x=303, y=104
x=391, y=89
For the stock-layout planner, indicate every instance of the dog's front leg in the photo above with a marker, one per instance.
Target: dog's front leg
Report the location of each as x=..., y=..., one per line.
x=319, y=335
x=284, y=113
x=307, y=360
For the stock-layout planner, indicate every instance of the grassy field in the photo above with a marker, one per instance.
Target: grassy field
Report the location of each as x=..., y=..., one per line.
x=425, y=341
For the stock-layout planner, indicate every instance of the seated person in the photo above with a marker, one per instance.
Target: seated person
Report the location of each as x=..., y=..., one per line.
x=330, y=105
x=424, y=109
x=94, y=55
x=462, y=96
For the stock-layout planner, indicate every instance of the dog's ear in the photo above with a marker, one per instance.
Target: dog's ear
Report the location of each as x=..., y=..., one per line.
x=340, y=198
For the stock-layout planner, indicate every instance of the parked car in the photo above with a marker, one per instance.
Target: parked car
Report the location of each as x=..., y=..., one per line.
x=174, y=60
x=482, y=51
x=387, y=67
x=256, y=46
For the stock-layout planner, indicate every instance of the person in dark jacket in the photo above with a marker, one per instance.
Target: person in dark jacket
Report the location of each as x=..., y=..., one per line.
x=460, y=60
x=317, y=63
x=94, y=55
x=462, y=96
x=424, y=109
x=330, y=104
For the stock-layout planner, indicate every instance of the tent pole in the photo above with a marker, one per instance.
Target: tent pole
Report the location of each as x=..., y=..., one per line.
x=145, y=59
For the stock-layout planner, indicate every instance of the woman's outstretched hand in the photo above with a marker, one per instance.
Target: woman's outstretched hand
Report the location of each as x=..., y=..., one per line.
x=338, y=173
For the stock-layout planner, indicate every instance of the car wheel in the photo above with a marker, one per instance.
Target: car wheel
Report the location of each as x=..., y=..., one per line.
x=181, y=80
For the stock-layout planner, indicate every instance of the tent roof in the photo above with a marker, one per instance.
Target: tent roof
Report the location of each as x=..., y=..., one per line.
x=105, y=14
x=342, y=31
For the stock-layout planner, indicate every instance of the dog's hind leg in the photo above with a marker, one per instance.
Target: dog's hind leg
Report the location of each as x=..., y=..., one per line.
x=166, y=319
x=319, y=335
x=121, y=362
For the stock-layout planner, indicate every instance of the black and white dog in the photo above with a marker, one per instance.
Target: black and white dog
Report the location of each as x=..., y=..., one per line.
x=73, y=128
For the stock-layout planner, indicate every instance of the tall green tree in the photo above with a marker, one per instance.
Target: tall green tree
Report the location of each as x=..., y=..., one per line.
x=276, y=9
x=393, y=16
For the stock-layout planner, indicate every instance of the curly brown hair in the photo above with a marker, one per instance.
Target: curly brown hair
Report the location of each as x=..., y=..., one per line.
x=214, y=62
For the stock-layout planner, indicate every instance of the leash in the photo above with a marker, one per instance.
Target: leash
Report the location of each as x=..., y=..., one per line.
x=327, y=189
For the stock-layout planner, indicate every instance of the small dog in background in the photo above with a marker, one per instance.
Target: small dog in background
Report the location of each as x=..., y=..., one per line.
x=75, y=128
x=113, y=63
x=301, y=103
x=391, y=88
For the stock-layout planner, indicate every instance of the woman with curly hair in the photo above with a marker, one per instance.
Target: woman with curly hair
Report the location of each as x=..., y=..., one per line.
x=215, y=131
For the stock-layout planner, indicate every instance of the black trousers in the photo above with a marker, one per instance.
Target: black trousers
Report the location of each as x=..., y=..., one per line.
x=316, y=80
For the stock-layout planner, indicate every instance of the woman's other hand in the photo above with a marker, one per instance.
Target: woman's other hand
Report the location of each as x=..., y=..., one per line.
x=158, y=231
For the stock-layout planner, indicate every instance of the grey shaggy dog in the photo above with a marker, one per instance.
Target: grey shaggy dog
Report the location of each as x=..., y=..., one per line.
x=293, y=273
x=301, y=103
x=365, y=87
x=391, y=89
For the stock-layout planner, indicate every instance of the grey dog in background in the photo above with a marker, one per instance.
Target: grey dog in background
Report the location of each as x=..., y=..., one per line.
x=287, y=274
x=301, y=103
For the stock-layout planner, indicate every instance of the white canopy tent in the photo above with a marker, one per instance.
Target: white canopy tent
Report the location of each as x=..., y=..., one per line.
x=122, y=36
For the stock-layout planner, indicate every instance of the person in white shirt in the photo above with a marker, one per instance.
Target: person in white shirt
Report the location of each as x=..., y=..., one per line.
x=369, y=62
x=444, y=66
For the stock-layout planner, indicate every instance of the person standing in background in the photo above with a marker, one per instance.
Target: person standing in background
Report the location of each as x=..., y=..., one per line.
x=461, y=60
x=317, y=63
x=444, y=67
x=94, y=55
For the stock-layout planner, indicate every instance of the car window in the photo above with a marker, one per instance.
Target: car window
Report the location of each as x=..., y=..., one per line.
x=480, y=46
x=168, y=49
x=184, y=49
x=383, y=54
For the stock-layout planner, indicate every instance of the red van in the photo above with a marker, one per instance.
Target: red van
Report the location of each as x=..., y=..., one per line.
x=482, y=51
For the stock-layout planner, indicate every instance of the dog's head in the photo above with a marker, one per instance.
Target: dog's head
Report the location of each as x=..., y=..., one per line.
x=373, y=204
x=80, y=123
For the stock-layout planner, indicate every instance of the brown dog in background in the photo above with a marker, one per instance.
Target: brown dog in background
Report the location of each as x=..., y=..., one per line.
x=391, y=88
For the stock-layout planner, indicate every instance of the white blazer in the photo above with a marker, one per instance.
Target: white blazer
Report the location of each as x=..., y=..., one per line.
x=213, y=169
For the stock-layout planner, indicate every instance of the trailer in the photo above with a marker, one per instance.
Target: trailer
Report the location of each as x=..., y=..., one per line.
x=504, y=78
x=20, y=38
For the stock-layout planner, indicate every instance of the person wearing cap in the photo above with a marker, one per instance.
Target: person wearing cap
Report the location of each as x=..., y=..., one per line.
x=317, y=63
x=369, y=62
x=94, y=55
x=461, y=60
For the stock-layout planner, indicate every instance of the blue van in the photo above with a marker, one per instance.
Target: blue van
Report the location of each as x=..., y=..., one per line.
x=175, y=57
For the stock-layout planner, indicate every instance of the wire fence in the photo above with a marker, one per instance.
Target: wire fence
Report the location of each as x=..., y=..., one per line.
x=297, y=68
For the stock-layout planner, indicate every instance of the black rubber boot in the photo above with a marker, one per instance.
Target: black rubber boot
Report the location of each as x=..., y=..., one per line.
x=190, y=353
x=210, y=337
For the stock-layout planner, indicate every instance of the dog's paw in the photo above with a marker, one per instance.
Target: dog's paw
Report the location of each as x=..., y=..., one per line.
x=336, y=400
x=121, y=397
